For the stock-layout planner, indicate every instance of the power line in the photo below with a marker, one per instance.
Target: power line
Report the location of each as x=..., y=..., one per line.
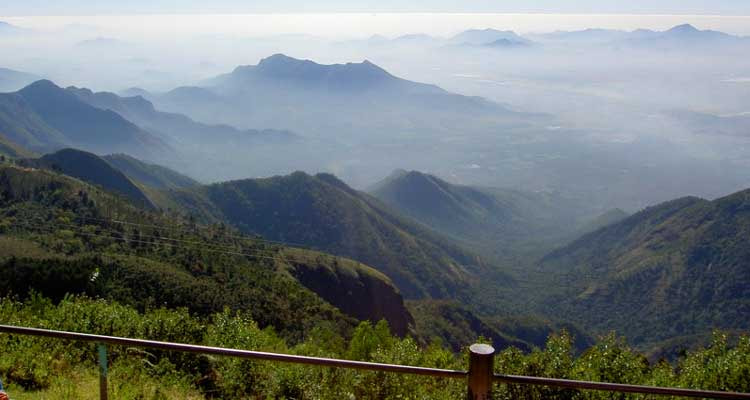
x=204, y=243
x=244, y=254
x=227, y=235
x=225, y=249
x=263, y=254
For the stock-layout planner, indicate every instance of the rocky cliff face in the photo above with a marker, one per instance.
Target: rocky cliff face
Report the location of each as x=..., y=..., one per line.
x=357, y=290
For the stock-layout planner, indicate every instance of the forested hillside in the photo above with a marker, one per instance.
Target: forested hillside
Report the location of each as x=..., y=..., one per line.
x=324, y=213
x=681, y=268
x=91, y=168
x=57, y=229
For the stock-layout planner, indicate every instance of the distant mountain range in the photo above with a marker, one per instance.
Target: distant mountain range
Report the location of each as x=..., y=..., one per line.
x=357, y=118
x=681, y=36
x=678, y=269
x=298, y=74
x=177, y=127
x=490, y=38
x=471, y=37
x=100, y=43
x=44, y=117
x=591, y=35
x=211, y=152
x=284, y=92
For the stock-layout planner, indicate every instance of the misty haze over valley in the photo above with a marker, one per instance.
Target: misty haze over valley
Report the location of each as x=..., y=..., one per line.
x=287, y=180
x=642, y=116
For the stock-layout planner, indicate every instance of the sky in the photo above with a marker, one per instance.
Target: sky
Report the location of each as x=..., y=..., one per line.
x=115, y=7
x=358, y=25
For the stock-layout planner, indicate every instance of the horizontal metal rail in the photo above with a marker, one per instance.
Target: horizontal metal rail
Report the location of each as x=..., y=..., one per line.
x=618, y=387
x=361, y=365
x=219, y=351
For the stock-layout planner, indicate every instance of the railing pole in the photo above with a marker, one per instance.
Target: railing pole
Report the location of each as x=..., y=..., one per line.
x=102, y=371
x=481, y=371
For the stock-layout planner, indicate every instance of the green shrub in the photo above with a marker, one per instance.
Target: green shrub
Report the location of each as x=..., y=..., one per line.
x=53, y=369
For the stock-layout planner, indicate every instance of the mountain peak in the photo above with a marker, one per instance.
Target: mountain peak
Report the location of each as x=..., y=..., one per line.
x=416, y=175
x=93, y=169
x=487, y=36
x=280, y=59
x=349, y=76
x=684, y=28
x=42, y=84
x=44, y=90
x=84, y=91
x=280, y=63
x=415, y=37
x=486, y=30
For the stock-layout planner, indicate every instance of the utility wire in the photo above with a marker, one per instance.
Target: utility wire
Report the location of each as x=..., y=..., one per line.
x=265, y=256
x=173, y=228
x=203, y=243
x=236, y=253
x=231, y=250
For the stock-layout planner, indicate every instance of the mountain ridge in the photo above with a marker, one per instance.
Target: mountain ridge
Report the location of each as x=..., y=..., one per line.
x=489, y=37
x=93, y=169
x=45, y=117
x=347, y=78
x=209, y=152
x=297, y=84
x=281, y=289
x=324, y=213
x=676, y=269
x=489, y=218
x=680, y=35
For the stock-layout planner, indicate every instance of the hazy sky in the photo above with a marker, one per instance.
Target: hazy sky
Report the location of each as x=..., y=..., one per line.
x=360, y=25
x=91, y=7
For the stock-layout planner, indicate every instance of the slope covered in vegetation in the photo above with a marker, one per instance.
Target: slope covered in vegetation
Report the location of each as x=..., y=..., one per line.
x=93, y=169
x=45, y=368
x=676, y=269
x=57, y=229
x=324, y=213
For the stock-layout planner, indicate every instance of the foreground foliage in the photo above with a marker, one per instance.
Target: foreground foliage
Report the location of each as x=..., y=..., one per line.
x=49, y=369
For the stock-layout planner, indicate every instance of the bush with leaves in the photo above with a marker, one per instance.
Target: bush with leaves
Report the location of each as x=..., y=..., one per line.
x=54, y=369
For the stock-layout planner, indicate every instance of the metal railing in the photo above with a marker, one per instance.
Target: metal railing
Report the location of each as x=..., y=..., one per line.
x=479, y=377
